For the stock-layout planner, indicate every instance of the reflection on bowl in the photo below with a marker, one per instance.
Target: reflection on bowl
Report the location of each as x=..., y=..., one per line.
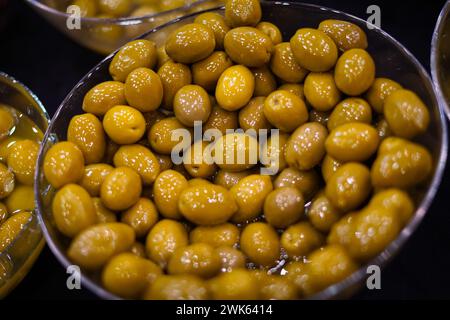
x=18, y=256
x=105, y=35
x=393, y=61
x=440, y=57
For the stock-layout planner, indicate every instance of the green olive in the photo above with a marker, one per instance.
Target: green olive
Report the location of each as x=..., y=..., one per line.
x=307, y=182
x=206, y=72
x=235, y=88
x=346, y=34
x=350, y=110
x=143, y=89
x=284, y=65
x=198, y=259
x=260, y=242
x=321, y=91
x=300, y=239
x=173, y=76
x=216, y=23
x=379, y=91
x=283, y=207
x=242, y=13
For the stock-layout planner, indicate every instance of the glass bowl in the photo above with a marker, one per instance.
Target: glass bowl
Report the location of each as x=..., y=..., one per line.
x=17, y=259
x=440, y=56
x=106, y=35
x=393, y=61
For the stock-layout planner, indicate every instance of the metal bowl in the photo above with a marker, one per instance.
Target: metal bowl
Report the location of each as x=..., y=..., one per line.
x=106, y=35
x=392, y=60
x=440, y=57
x=17, y=259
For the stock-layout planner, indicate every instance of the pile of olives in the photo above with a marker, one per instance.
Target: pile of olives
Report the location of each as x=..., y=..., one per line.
x=158, y=230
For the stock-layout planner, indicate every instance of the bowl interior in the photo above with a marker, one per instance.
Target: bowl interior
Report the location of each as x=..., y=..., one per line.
x=392, y=60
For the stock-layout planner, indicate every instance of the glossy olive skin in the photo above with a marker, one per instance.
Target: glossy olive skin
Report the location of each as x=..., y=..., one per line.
x=322, y=214
x=383, y=129
x=133, y=55
x=329, y=166
x=242, y=13
x=354, y=72
x=283, y=207
x=272, y=153
x=143, y=89
x=63, y=164
x=115, y=8
x=349, y=186
x=22, y=159
x=165, y=162
x=140, y=159
x=206, y=72
x=314, y=50
x=73, y=210
x=221, y=120
x=345, y=34
x=250, y=193
x=231, y=258
x=177, y=287
x=7, y=122
x=306, y=147
x=379, y=91
x=190, y=43
x=198, y=182
x=260, y=242
x=284, y=65
x=216, y=23
x=86, y=131
x=93, y=177
x=352, y=141
x=235, y=88
x=173, y=76
x=191, y=103
x=350, y=110
x=124, y=124
x=198, y=259
x=103, y=97
x=121, y=189
x=236, y=152
x=300, y=239
x=225, y=234
x=238, y=284
x=328, y=266
x=271, y=30
x=228, y=179
x=276, y=287
x=138, y=249
x=103, y=214
x=142, y=216
x=248, y=46
x=403, y=165
x=319, y=116
x=195, y=162
x=128, y=275
x=11, y=229
x=252, y=115
x=93, y=247
x=395, y=200
x=163, y=239
x=265, y=82
x=162, y=56
x=321, y=91
x=207, y=204
x=285, y=110
x=307, y=182
x=406, y=114
x=160, y=135
x=21, y=199
x=167, y=190
x=295, y=88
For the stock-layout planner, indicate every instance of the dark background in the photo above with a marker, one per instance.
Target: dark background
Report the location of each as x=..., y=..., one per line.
x=50, y=65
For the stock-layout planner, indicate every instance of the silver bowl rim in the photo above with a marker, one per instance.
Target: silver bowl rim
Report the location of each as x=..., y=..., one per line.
x=434, y=59
x=121, y=21
x=356, y=277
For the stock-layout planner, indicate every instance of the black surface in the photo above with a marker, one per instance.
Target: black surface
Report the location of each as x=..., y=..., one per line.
x=51, y=64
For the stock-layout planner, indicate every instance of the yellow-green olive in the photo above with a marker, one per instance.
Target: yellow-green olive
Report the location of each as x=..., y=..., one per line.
x=322, y=214
x=260, y=242
x=349, y=186
x=347, y=35
x=395, y=200
x=173, y=76
x=250, y=193
x=379, y=91
x=350, y=110
x=354, y=72
x=197, y=162
x=190, y=43
x=314, y=50
x=236, y=152
x=121, y=189
x=93, y=177
x=93, y=247
x=284, y=65
x=285, y=110
x=103, y=97
x=235, y=88
x=216, y=23
x=167, y=190
x=265, y=82
x=231, y=258
x=103, y=214
x=321, y=91
x=383, y=129
x=7, y=181
x=200, y=259
x=252, y=115
x=190, y=104
x=177, y=287
x=225, y=234
x=135, y=54
x=160, y=135
x=143, y=90
x=354, y=141
x=406, y=114
x=271, y=30
x=329, y=166
x=115, y=8
x=63, y=164
x=272, y=153
x=242, y=13
x=283, y=207
x=221, y=120
x=300, y=239
x=163, y=239
x=228, y=179
x=276, y=287
x=7, y=121
x=22, y=159
x=319, y=116
x=238, y=284
x=295, y=88
x=138, y=249
x=206, y=72
x=11, y=229
x=306, y=146
x=124, y=124
x=21, y=199
x=307, y=182
x=207, y=204
x=142, y=216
